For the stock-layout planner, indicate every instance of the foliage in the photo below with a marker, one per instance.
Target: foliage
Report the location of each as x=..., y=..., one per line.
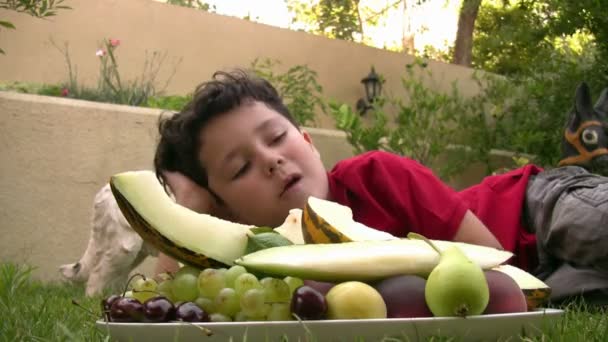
x=524, y=115
x=35, y=8
x=545, y=48
x=197, y=4
x=31, y=88
x=333, y=18
x=512, y=37
x=111, y=87
x=34, y=311
x=424, y=126
x=298, y=87
x=170, y=102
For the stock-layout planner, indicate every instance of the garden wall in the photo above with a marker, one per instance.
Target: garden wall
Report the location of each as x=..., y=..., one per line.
x=204, y=42
x=56, y=153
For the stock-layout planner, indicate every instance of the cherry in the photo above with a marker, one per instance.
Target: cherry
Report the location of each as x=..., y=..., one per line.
x=190, y=312
x=126, y=309
x=158, y=309
x=308, y=303
x=106, y=305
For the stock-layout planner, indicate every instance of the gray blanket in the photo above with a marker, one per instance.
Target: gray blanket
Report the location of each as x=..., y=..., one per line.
x=567, y=208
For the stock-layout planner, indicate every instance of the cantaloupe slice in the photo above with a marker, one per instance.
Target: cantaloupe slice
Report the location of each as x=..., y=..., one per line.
x=362, y=260
x=197, y=239
x=330, y=222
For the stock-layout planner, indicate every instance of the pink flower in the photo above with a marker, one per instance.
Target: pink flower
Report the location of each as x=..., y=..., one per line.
x=100, y=53
x=114, y=42
x=65, y=92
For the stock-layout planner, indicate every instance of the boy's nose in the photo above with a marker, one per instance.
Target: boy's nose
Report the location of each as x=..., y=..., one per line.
x=274, y=164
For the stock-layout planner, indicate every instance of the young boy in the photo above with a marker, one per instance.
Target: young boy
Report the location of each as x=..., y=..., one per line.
x=235, y=152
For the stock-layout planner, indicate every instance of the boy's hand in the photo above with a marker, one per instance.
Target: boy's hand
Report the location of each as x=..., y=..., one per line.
x=194, y=197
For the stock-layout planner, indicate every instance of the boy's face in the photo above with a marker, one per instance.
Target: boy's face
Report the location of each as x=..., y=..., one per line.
x=260, y=165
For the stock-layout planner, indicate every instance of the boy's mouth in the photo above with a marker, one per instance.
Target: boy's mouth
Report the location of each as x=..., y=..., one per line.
x=290, y=182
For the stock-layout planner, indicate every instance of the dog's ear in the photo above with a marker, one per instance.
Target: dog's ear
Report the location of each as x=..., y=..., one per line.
x=582, y=109
x=601, y=106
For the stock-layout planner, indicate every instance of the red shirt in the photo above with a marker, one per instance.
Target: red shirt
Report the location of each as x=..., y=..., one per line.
x=398, y=195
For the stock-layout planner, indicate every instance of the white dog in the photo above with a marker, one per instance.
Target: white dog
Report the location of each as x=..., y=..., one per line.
x=114, y=249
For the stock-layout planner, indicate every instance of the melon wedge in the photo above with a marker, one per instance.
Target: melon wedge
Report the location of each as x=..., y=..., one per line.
x=536, y=291
x=330, y=222
x=197, y=239
x=361, y=260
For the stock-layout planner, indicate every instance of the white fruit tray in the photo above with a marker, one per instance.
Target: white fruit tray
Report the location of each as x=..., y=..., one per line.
x=474, y=328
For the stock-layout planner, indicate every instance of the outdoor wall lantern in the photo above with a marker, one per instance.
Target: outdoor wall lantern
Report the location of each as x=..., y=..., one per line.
x=373, y=89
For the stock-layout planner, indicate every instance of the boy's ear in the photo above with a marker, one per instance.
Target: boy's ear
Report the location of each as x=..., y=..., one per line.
x=308, y=139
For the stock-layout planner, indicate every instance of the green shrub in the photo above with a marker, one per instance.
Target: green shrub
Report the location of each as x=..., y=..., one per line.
x=111, y=88
x=298, y=87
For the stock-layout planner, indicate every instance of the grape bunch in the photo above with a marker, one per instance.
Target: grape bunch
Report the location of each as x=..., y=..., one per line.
x=215, y=295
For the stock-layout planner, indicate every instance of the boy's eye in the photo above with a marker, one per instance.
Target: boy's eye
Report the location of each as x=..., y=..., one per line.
x=278, y=138
x=241, y=171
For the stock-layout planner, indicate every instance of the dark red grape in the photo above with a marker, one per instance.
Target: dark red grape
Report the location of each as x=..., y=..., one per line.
x=190, y=312
x=106, y=304
x=308, y=303
x=158, y=309
x=126, y=310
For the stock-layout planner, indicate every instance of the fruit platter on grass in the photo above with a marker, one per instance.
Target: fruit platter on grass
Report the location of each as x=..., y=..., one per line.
x=319, y=276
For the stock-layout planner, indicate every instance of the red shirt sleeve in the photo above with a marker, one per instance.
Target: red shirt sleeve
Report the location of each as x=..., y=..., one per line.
x=397, y=195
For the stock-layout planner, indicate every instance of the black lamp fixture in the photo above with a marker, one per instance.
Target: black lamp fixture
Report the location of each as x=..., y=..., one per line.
x=373, y=89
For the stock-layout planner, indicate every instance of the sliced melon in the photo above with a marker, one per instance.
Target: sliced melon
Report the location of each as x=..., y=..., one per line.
x=536, y=291
x=330, y=222
x=361, y=260
x=197, y=239
x=291, y=229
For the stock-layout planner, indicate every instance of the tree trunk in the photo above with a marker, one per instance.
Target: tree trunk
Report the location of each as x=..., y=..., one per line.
x=464, y=36
x=408, y=35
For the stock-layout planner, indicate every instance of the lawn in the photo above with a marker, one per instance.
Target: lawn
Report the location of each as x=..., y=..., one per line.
x=34, y=311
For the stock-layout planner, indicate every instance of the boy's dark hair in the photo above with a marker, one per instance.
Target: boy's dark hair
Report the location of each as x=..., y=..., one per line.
x=179, y=142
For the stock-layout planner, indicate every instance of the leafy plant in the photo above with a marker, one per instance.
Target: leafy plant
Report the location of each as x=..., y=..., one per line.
x=424, y=124
x=110, y=86
x=35, y=8
x=298, y=86
x=170, y=102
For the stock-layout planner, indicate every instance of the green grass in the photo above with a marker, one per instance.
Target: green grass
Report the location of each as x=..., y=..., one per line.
x=34, y=311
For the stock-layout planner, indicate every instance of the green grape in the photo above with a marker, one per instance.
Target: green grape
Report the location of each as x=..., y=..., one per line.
x=279, y=312
x=222, y=270
x=144, y=289
x=277, y=291
x=210, y=282
x=206, y=304
x=165, y=288
x=244, y=282
x=240, y=317
x=253, y=303
x=128, y=294
x=185, y=284
x=227, y=302
x=293, y=283
x=232, y=273
x=218, y=317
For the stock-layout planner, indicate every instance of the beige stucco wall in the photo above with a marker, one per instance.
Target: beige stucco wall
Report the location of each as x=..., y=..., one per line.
x=203, y=41
x=55, y=154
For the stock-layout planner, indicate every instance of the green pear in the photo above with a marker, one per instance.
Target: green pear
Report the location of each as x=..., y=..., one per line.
x=456, y=286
